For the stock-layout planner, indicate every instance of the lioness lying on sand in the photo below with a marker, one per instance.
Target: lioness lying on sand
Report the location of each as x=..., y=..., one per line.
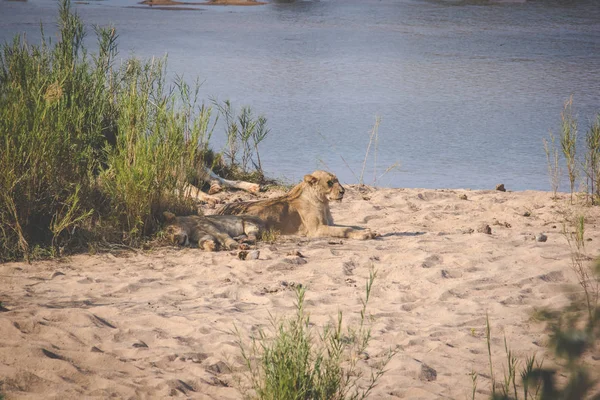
x=303, y=210
x=211, y=232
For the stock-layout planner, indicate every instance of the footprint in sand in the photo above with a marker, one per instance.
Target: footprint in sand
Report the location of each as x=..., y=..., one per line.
x=372, y=217
x=100, y=322
x=432, y=261
x=178, y=386
x=554, y=276
x=52, y=355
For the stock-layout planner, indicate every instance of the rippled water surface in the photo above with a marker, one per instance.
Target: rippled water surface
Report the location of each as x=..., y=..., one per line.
x=466, y=90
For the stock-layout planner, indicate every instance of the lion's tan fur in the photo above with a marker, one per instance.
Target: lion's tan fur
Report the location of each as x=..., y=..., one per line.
x=303, y=210
x=211, y=232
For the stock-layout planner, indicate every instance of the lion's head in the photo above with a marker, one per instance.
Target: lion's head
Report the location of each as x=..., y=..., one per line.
x=174, y=231
x=325, y=185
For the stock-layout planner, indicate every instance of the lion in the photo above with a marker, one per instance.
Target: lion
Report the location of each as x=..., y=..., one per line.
x=211, y=232
x=303, y=210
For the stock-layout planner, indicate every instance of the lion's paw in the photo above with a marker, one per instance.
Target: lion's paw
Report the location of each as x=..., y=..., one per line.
x=231, y=244
x=208, y=245
x=364, y=234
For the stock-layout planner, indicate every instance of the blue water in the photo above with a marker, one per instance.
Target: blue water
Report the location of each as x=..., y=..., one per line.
x=465, y=90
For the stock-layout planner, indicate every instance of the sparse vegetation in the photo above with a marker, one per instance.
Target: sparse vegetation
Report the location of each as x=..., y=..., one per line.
x=269, y=236
x=568, y=142
x=592, y=159
x=552, y=158
x=574, y=331
x=244, y=134
x=586, y=276
x=587, y=166
x=571, y=337
x=96, y=152
x=295, y=363
x=372, y=148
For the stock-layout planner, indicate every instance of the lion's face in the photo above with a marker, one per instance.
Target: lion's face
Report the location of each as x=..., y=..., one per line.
x=174, y=231
x=326, y=185
x=177, y=235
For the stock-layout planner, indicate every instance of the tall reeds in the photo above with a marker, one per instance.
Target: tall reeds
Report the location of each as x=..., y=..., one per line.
x=568, y=141
x=586, y=166
x=159, y=147
x=592, y=159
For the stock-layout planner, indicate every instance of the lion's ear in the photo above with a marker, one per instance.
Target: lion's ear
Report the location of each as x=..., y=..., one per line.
x=169, y=216
x=311, y=180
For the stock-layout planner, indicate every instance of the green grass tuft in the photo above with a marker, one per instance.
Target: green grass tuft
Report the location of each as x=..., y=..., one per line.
x=294, y=362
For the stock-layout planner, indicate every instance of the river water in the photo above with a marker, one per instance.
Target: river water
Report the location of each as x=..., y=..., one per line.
x=465, y=90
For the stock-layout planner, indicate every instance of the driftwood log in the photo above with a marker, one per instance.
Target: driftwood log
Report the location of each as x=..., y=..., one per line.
x=216, y=185
x=216, y=181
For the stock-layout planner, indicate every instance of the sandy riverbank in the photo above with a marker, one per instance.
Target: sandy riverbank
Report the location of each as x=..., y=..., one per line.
x=154, y=324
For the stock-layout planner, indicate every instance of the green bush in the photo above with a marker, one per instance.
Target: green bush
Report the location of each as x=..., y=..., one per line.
x=159, y=147
x=53, y=111
x=94, y=152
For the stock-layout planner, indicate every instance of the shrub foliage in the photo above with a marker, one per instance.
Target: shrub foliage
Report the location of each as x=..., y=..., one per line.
x=90, y=147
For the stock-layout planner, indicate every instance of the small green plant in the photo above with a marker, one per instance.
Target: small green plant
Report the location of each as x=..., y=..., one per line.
x=568, y=141
x=473, y=376
x=372, y=144
x=553, y=163
x=373, y=141
x=509, y=387
x=269, y=236
x=244, y=134
x=294, y=363
x=588, y=167
x=488, y=337
x=592, y=159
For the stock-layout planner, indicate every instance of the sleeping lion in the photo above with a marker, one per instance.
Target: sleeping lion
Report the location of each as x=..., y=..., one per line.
x=211, y=232
x=303, y=210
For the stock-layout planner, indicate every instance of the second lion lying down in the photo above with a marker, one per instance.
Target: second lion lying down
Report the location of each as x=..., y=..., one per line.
x=212, y=232
x=303, y=210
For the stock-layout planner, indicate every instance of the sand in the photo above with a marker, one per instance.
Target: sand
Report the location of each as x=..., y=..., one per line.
x=153, y=324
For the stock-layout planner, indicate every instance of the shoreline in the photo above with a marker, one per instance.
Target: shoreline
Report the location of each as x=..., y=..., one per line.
x=159, y=322
x=166, y=3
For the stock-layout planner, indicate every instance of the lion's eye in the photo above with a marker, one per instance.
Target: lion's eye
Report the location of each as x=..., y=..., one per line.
x=330, y=183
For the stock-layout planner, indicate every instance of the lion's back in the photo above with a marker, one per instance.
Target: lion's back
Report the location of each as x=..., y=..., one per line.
x=278, y=214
